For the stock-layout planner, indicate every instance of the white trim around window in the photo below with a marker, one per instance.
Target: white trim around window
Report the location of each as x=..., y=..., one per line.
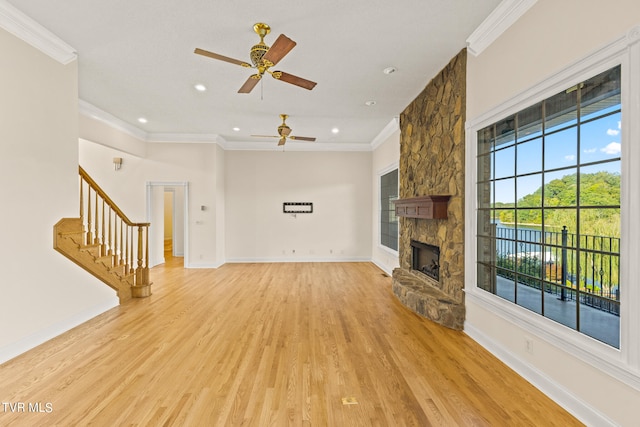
x=380, y=173
x=622, y=364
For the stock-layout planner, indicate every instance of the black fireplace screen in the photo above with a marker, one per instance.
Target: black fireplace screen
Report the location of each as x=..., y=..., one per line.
x=426, y=259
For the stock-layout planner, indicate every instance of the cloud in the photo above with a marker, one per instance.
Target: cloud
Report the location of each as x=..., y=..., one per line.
x=612, y=148
x=590, y=150
x=619, y=125
x=570, y=157
x=613, y=132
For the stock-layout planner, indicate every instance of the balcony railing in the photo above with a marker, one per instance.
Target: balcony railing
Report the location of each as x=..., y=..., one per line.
x=580, y=268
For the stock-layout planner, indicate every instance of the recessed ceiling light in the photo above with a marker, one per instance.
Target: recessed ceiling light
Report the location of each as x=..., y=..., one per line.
x=390, y=70
x=370, y=103
x=236, y=129
x=200, y=87
x=142, y=120
x=335, y=130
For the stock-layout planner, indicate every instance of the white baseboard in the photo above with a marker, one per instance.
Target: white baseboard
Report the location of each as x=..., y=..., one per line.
x=578, y=408
x=205, y=265
x=12, y=350
x=383, y=267
x=276, y=260
x=295, y=259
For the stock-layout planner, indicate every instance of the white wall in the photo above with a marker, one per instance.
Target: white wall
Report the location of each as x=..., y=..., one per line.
x=193, y=163
x=386, y=156
x=337, y=183
x=549, y=37
x=109, y=135
x=42, y=293
x=220, y=205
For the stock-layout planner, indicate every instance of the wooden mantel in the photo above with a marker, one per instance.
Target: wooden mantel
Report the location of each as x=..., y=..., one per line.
x=425, y=207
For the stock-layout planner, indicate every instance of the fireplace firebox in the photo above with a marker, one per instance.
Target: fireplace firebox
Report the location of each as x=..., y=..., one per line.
x=425, y=259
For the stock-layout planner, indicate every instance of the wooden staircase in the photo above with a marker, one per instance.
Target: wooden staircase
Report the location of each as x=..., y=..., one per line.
x=102, y=241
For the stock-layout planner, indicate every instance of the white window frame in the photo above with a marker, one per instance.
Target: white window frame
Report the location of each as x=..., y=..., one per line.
x=622, y=363
x=380, y=173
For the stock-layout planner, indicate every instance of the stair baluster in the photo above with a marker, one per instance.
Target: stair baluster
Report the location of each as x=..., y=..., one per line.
x=92, y=242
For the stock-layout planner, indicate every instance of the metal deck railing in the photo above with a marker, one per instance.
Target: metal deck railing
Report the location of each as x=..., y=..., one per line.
x=582, y=268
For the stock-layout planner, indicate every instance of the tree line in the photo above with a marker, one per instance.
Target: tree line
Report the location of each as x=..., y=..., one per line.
x=597, y=190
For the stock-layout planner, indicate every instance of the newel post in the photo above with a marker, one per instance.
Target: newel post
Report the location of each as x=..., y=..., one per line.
x=142, y=286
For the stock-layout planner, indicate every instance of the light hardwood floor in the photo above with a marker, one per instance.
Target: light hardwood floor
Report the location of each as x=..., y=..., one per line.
x=268, y=345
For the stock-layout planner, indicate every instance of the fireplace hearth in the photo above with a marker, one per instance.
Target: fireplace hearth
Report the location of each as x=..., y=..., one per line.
x=426, y=259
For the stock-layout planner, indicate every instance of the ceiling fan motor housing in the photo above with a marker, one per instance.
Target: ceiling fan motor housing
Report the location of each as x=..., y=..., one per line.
x=257, y=52
x=284, y=130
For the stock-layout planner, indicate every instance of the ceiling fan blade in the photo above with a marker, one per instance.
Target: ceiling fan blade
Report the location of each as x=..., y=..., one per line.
x=294, y=80
x=265, y=136
x=282, y=141
x=302, y=138
x=220, y=57
x=251, y=82
x=279, y=49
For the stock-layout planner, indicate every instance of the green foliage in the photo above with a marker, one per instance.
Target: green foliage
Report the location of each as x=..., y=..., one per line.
x=596, y=189
x=528, y=269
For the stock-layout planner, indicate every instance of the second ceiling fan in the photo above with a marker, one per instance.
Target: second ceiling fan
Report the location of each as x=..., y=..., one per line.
x=263, y=58
x=284, y=132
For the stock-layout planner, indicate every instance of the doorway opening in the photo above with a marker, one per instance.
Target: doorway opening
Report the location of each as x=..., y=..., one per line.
x=167, y=211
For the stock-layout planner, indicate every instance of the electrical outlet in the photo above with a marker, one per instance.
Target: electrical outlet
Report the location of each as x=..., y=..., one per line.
x=528, y=345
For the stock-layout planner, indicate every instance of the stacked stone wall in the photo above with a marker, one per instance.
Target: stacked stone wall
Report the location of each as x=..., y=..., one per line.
x=432, y=163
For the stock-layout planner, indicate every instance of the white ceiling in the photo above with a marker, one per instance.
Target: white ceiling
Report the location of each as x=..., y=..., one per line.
x=135, y=59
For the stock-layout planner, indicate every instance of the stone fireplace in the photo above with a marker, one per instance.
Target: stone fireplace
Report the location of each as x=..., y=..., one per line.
x=431, y=205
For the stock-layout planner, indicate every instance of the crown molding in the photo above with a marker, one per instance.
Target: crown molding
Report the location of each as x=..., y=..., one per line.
x=295, y=146
x=109, y=119
x=90, y=110
x=20, y=25
x=193, y=138
x=571, y=74
x=503, y=16
x=386, y=132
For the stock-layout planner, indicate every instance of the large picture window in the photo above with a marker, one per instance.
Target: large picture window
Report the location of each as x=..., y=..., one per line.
x=548, y=207
x=388, y=219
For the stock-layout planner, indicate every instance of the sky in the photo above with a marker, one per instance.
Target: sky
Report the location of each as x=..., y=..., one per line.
x=600, y=140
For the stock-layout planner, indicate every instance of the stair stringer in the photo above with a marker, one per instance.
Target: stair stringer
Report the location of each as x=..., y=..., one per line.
x=68, y=238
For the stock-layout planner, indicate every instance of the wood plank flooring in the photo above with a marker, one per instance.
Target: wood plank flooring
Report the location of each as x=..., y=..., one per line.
x=268, y=345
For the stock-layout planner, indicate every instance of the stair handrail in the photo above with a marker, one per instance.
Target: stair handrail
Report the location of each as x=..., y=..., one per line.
x=108, y=200
x=106, y=240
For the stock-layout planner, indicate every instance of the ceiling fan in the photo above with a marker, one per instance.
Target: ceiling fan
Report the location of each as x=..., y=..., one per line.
x=263, y=58
x=284, y=132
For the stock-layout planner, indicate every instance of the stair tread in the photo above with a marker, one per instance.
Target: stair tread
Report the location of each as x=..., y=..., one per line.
x=70, y=240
